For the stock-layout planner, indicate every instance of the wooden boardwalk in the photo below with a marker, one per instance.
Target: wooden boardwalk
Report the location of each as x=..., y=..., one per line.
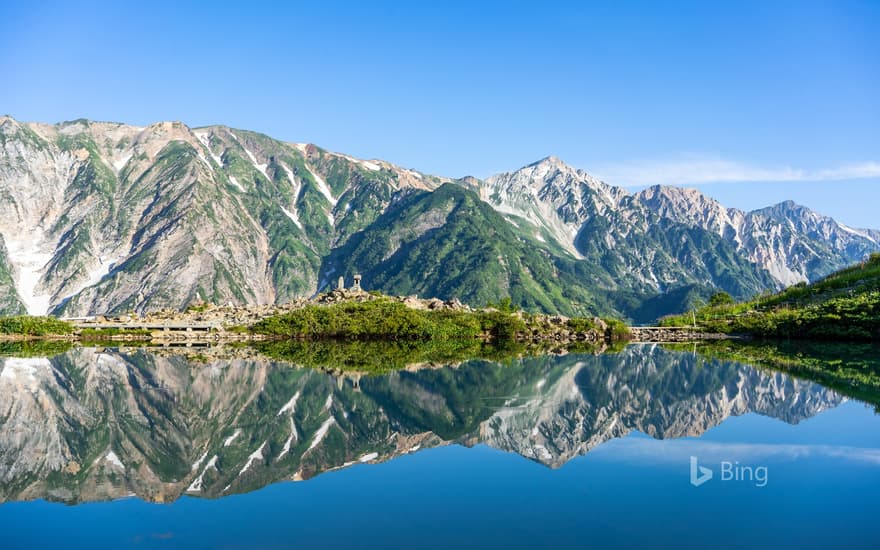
x=153, y=327
x=672, y=334
x=178, y=330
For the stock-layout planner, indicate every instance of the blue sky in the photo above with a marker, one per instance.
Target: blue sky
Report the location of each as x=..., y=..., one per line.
x=752, y=102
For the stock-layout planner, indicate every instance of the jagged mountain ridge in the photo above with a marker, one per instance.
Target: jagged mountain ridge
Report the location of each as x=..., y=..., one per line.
x=113, y=424
x=791, y=242
x=449, y=243
x=105, y=217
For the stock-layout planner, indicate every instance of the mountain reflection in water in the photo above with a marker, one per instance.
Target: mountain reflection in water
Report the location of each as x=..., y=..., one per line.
x=96, y=424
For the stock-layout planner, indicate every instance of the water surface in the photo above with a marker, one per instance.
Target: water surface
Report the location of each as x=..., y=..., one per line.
x=102, y=448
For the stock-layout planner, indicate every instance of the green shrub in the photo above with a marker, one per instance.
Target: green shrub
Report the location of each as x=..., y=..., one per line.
x=375, y=319
x=720, y=299
x=581, y=324
x=34, y=326
x=500, y=325
x=617, y=330
x=505, y=305
x=34, y=348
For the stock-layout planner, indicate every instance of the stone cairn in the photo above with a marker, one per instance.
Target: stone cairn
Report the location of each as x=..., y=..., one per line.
x=342, y=294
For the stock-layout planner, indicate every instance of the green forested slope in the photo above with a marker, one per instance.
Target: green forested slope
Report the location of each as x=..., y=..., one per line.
x=449, y=244
x=843, y=306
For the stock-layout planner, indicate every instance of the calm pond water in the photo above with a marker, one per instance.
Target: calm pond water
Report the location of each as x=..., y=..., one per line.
x=647, y=447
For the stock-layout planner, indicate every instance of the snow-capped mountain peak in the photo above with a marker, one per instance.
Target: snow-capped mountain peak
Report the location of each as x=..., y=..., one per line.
x=102, y=217
x=554, y=197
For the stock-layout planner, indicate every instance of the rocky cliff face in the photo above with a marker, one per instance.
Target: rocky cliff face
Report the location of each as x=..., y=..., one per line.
x=638, y=248
x=591, y=404
x=99, y=424
x=593, y=220
x=102, y=217
x=107, y=217
x=789, y=241
x=553, y=198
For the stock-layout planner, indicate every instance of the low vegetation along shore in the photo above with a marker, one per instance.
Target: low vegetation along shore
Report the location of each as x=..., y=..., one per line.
x=845, y=306
x=386, y=319
x=337, y=315
x=35, y=327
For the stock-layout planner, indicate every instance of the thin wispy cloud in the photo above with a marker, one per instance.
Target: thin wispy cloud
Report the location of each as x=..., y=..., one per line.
x=640, y=449
x=702, y=170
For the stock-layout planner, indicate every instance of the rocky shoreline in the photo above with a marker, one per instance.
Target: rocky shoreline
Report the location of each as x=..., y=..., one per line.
x=208, y=322
x=228, y=317
x=205, y=322
x=672, y=335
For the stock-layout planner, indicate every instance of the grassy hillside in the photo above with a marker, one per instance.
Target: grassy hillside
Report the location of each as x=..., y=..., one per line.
x=850, y=369
x=449, y=244
x=843, y=306
x=382, y=318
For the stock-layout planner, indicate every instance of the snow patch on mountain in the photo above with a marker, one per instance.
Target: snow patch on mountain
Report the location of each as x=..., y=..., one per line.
x=205, y=161
x=228, y=441
x=253, y=457
x=322, y=186
x=290, y=406
x=196, y=485
x=23, y=369
x=29, y=254
x=372, y=166
x=294, y=436
x=198, y=463
x=120, y=162
x=203, y=137
x=235, y=183
x=293, y=217
x=321, y=433
x=857, y=232
x=97, y=273
x=113, y=459
x=261, y=167
x=292, y=214
x=295, y=184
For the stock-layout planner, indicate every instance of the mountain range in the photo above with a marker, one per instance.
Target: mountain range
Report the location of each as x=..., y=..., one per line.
x=100, y=217
x=96, y=424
